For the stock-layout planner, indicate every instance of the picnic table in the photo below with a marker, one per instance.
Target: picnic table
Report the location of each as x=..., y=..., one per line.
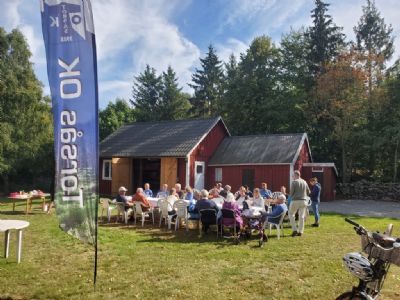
x=28, y=197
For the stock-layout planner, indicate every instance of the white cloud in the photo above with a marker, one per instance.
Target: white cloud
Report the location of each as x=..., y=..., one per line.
x=141, y=33
x=35, y=44
x=347, y=14
x=9, y=15
x=129, y=35
x=272, y=17
x=114, y=89
x=265, y=16
x=231, y=46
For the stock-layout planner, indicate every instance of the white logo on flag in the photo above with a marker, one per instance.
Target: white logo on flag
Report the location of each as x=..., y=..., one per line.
x=77, y=23
x=54, y=21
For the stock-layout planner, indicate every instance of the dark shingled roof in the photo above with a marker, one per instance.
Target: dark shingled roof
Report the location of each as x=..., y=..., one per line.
x=156, y=139
x=257, y=149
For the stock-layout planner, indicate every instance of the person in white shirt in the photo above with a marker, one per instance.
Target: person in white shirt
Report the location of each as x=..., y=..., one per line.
x=258, y=200
x=241, y=196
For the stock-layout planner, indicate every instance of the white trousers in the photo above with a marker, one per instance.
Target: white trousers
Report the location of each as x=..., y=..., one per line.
x=301, y=206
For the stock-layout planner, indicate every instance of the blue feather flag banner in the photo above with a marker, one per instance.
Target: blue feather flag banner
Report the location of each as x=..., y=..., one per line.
x=68, y=33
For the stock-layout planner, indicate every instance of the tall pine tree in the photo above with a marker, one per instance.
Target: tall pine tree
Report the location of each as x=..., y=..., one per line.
x=254, y=104
x=159, y=97
x=230, y=87
x=146, y=95
x=207, y=85
x=375, y=41
x=325, y=39
x=174, y=104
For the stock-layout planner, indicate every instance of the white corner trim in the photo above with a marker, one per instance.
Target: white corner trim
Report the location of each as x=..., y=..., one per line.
x=291, y=173
x=187, y=170
x=303, y=139
x=205, y=135
x=328, y=165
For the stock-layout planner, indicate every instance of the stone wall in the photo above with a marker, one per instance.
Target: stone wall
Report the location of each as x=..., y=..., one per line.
x=366, y=190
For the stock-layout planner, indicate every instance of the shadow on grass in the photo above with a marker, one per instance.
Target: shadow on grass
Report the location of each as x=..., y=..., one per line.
x=16, y=213
x=156, y=234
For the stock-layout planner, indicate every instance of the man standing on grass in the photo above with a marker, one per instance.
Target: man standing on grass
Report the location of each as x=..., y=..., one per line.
x=315, y=199
x=299, y=191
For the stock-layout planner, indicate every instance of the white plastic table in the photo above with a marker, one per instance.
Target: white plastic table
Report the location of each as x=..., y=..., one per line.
x=6, y=226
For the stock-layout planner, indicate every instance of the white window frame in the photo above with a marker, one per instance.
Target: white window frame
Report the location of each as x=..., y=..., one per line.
x=218, y=174
x=103, y=175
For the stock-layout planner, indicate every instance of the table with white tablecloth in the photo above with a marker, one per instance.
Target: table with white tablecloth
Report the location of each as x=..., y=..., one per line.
x=6, y=226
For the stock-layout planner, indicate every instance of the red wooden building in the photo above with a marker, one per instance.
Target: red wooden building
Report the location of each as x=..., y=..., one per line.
x=159, y=152
x=201, y=152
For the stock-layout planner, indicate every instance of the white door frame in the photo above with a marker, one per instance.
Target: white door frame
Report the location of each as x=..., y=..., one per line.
x=199, y=185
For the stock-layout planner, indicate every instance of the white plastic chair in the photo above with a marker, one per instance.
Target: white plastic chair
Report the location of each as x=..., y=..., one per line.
x=278, y=226
x=307, y=213
x=122, y=212
x=181, y=213
x=106, y=207
x=276, y=194
x=143, y=214
x=164, y=205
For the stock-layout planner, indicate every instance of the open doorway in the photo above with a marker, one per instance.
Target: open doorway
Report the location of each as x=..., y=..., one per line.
x=146, y=170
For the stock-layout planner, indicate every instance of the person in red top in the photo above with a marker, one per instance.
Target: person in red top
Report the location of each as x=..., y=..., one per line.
x=141, y=197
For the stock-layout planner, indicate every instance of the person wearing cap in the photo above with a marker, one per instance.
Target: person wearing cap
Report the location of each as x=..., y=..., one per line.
x=122, y=197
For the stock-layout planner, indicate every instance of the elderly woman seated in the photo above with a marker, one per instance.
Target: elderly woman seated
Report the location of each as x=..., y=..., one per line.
x=242, y=198
x=258, y=200
x=214, y=192
x=279, y=208
x=231, y=204
x=140, y=196
x=171, y=199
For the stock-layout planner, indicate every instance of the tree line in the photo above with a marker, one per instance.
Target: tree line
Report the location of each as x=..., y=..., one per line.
x=341, y=92
x=26, y=128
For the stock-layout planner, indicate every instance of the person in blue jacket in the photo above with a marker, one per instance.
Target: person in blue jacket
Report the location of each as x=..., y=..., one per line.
x=147, y=190
x=315, y=196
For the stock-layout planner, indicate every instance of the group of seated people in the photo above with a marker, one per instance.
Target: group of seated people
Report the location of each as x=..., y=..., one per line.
x=244, y=200
x=239, y=202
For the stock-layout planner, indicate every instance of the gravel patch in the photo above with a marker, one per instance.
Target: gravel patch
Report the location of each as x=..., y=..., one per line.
x=364, y=208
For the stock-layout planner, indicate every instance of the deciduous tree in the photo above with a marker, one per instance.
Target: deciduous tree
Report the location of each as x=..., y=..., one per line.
x=25, y=118
x=340, y=99
x=114, y=116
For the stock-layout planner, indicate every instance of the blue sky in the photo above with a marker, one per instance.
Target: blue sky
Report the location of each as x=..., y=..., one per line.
x=133, y=33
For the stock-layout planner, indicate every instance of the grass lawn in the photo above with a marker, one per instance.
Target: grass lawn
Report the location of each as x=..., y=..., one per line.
x=153, y=263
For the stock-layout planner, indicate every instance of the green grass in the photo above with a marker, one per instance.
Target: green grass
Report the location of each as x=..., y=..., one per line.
x=153, y=263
